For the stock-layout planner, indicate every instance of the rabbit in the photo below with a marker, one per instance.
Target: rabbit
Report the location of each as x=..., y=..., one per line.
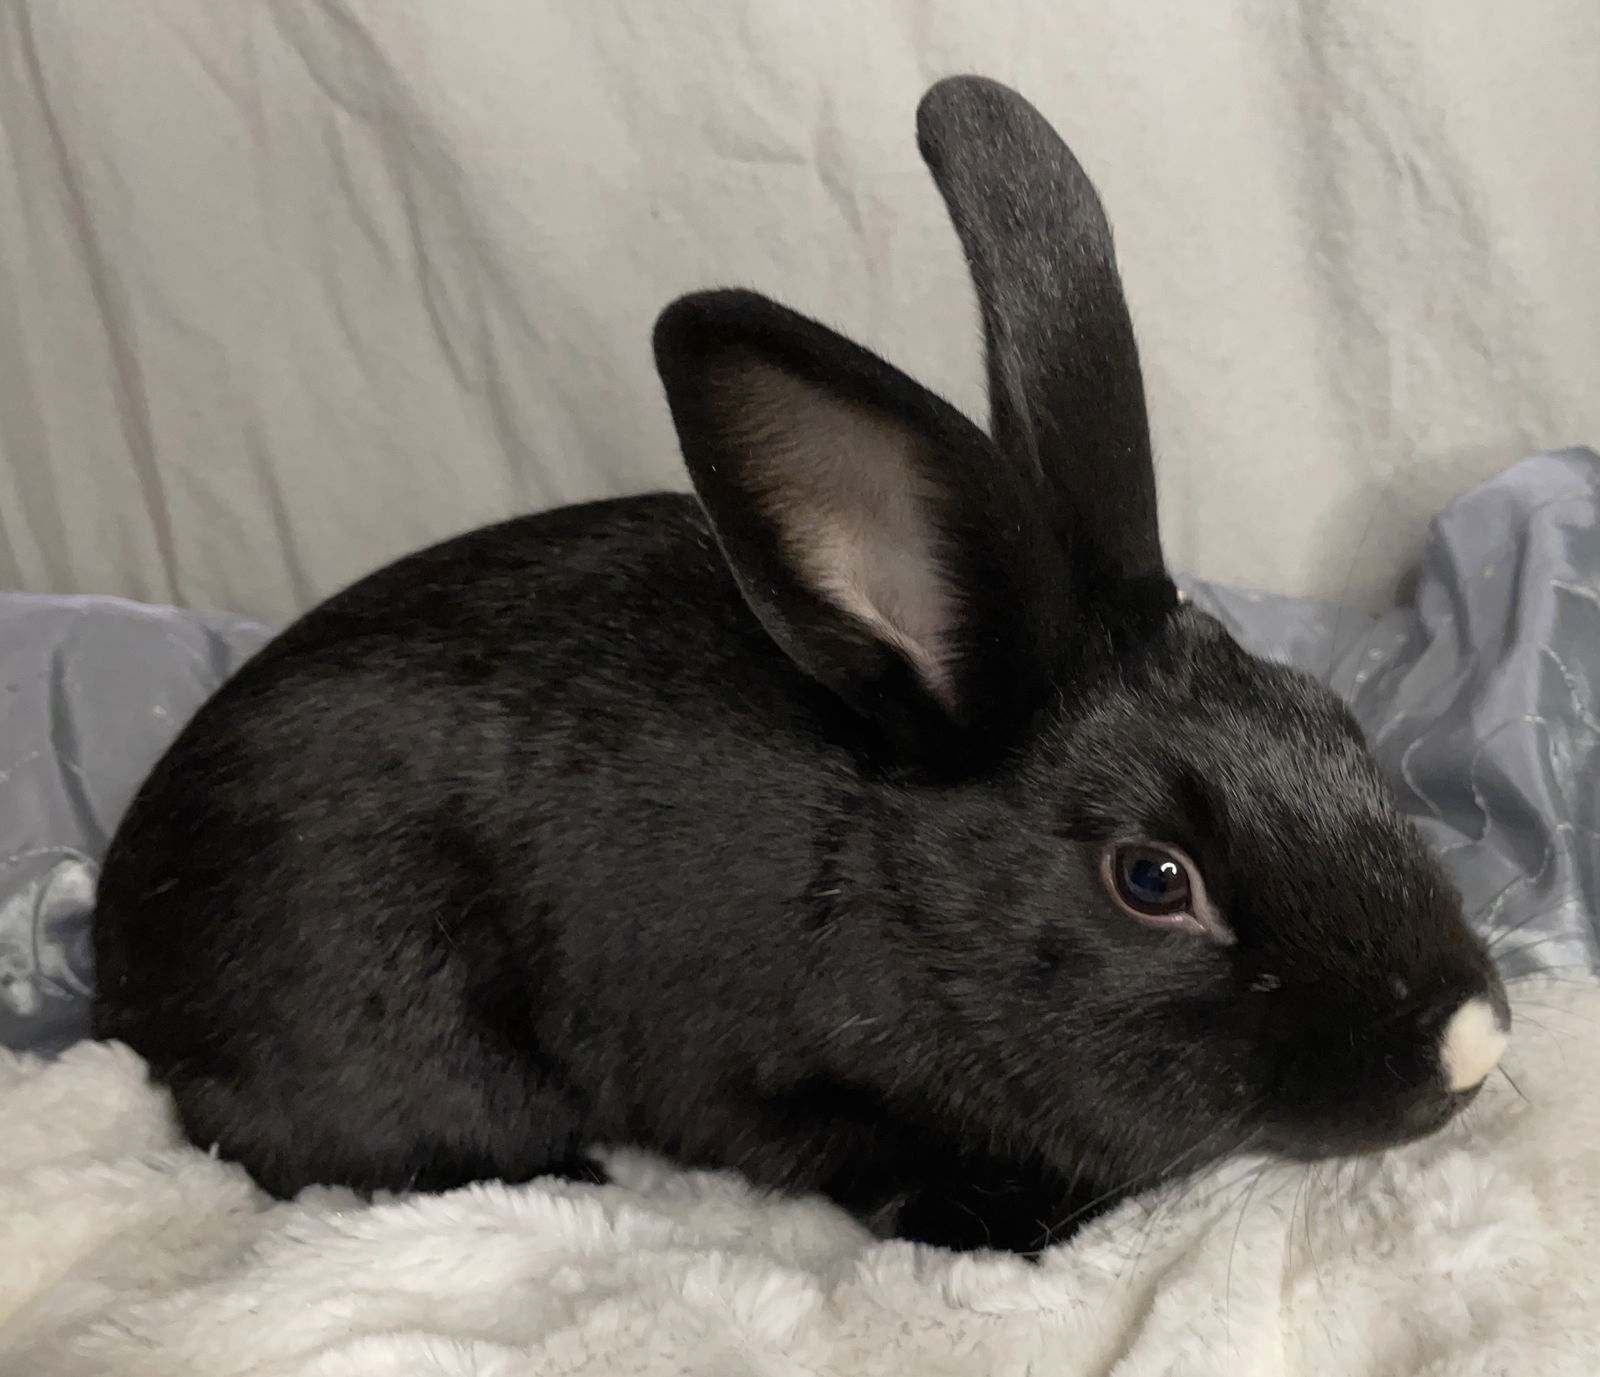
x=876, y=821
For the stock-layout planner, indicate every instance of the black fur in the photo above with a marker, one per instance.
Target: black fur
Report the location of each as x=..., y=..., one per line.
x=626, y=824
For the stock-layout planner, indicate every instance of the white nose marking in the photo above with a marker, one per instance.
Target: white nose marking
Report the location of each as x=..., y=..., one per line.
x=1471, y=1044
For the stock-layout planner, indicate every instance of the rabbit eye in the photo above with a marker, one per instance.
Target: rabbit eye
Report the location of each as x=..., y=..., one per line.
x=1149, y=880
x=1161, y=887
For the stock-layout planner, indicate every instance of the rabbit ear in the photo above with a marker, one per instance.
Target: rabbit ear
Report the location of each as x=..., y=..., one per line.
x=872, y=529
x=1065, y=393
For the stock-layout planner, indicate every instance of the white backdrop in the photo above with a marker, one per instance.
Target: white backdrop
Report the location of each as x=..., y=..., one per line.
x=288, y=288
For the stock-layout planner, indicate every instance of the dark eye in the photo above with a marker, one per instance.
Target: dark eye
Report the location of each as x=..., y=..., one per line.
x=1150, y=880
x=1160, y=887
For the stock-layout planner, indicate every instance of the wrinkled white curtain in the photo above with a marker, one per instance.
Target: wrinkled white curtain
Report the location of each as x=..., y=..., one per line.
x=288, y=287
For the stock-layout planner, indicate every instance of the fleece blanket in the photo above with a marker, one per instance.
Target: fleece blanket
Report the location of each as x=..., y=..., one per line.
x=1475, y=1252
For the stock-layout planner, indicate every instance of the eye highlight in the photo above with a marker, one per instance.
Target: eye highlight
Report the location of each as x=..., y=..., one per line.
x=1162, y=888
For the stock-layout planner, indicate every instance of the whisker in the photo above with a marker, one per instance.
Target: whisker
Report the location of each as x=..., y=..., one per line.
x=1150, y=1175
x=1526, y=880
x=1512, y=1083
x=1511, y=955
x=1314, y=1181
x=1518, y=1011
x=1525, y=1020
x=1493, y=939
x=1341, y=1193
x=1227, y=1288
x=1170, y=1202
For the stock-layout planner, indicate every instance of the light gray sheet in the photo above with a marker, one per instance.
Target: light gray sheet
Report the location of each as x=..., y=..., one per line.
x=1482, y=696
x=387, y=270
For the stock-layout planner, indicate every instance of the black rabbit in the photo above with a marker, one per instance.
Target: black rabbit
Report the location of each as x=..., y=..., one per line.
x=881, y=824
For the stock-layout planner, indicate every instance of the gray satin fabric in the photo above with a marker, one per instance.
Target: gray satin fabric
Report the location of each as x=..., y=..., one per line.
x=1482, y=697
x=1483, y=700
x=91, y=692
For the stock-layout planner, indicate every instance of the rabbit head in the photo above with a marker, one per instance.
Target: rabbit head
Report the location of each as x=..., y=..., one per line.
x=1159, y=902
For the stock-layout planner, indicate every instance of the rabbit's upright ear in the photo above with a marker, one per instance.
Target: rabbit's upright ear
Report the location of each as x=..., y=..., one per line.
x=873, y=530
x=1065, y=393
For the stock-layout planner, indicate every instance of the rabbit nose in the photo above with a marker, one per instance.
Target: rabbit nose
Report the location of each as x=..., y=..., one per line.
x=1471, y=1043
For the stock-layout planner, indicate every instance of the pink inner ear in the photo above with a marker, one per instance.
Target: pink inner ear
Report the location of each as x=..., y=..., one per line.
x=854, y=509
x=876, y=567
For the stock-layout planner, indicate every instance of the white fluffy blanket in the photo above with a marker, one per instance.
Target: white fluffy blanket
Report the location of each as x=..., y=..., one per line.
x=1477, y=1252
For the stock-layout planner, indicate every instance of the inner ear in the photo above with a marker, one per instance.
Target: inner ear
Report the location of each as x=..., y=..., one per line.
x=852, y=501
